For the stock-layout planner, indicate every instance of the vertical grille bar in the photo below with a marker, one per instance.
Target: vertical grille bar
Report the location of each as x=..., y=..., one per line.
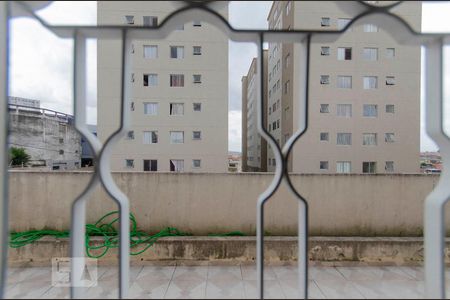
x=434, y=226
x=4, y=126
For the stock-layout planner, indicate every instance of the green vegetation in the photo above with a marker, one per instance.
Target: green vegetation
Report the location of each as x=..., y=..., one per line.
x=19, y=157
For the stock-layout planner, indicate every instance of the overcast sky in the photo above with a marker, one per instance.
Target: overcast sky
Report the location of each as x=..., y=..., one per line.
x=41, y=64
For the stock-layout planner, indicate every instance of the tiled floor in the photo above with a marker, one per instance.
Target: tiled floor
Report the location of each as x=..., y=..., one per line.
x=230, y=282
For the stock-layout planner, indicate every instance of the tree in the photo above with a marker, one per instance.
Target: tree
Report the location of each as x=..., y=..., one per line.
x=19, y=156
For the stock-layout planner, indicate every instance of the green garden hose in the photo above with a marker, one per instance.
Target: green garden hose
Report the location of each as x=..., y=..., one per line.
x=108, y=232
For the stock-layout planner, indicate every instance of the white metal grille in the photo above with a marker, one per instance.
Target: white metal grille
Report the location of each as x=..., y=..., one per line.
x=377, y=17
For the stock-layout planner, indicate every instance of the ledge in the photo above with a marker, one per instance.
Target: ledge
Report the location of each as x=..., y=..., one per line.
x=230, y=250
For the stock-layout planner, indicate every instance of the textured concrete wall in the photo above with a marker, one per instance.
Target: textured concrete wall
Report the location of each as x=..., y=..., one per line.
x=44, y=137
x=231, y=250
x=340, y=205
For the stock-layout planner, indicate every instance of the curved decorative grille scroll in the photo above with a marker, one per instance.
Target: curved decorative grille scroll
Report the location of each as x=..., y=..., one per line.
x=365, y=11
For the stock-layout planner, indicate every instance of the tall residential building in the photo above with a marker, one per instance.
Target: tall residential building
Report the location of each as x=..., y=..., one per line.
x=254, y=147
x=364, y=93
x=179, y=105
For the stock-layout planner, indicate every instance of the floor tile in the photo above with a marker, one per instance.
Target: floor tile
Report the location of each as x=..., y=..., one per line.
x=28, y=290
x=30, y=274
x=221, y=287
x=144, y=288
x=272, y=289
x=186, y=289
x=249, y=272
x=374, y=273
x=338, y=289
x=191, y=273
x=156, y=273
x=224, y=273
x=290, y=288
x=112, y=273
x=393, y=289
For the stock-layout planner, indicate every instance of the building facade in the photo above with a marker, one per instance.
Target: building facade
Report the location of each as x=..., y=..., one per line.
x=254, y=147
x=49, y=137
x=179, y=105
x=364, y=93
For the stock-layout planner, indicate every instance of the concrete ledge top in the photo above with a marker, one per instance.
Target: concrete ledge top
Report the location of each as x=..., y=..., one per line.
x=267, y=239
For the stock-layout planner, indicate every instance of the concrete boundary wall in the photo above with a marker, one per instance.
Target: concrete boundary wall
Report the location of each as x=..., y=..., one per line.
x=340, y=205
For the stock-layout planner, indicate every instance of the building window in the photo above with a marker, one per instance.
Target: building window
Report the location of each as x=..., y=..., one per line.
x=130, y=135
x=132, y=106
x=150, y=51
x=390, y=80
x=324, y=79
x=370, y=28
x=150, y=21
x=325, y=51
x=370, y=82
x=197, y=24
x=324, y=165
x=150, y=137
x=196, y=163
x=196, y=135
x=150, y=165
x=342, y=23
x=344, y=53
x=343, y=167
x=390, y=53
x=270, y=125
x=150, y=108
x=344, y=82
x=324, y=108
x=344, y=139
x=324, y=136
x=389, y=166
x=197, y=106
x=369, y=139
x=370, y=54
x=61, y=152
x=286, y=87
x=150, y=79
x=176, y=165
x=369, y=167
x=325, y=22
x=197, y=50
x=278, y=104
x=274, y=125
x=129, y=20
x=197, y=78
x=370, y=110
x=176, y=137
x=129, y=163
x=176, y=109
x=132, y=77
x=278, y=123
x=269, y=161
x=177, y=52
x=389, y=137
x=344, y=110
x=61, y=140
x=176, y=80
x=274, y=162
x=390, y=108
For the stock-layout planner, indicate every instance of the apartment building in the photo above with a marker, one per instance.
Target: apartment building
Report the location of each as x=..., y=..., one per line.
x=179, y=105
x=254, y=147
x=364, y=93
